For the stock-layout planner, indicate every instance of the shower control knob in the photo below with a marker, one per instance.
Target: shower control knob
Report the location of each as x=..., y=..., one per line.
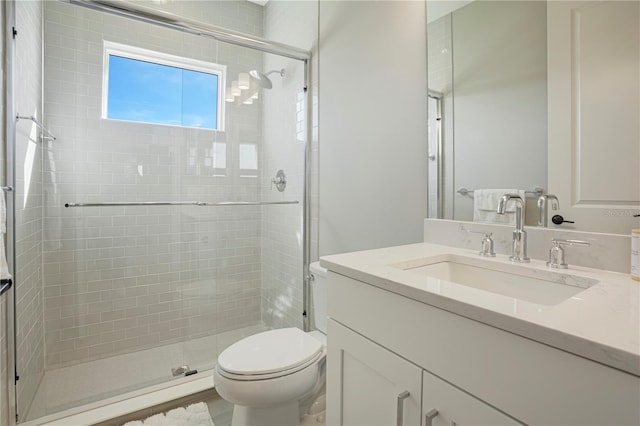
x=280, y=181
x=558, y=220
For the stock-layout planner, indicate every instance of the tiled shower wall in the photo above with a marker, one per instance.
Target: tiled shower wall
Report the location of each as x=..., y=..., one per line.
x=119, y=279
x=28, y=202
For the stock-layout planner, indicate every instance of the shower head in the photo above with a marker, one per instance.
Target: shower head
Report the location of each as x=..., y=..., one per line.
x=261, y=78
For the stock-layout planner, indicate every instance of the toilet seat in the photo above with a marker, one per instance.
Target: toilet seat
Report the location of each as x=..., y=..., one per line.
x=270, y=354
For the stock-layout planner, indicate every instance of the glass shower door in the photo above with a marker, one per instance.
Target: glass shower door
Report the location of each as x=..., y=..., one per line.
x=130, y=274
x=26, y=152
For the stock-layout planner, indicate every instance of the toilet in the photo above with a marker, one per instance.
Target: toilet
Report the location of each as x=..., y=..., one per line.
x=277, y=377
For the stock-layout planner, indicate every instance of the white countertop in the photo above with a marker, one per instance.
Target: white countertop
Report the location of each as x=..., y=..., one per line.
x=601, y=323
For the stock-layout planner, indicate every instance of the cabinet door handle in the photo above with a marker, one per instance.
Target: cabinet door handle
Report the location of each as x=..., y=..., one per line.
x=428, y=418
x=400, y=408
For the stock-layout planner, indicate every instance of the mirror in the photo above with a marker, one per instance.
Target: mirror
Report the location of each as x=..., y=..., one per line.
x=493, y=123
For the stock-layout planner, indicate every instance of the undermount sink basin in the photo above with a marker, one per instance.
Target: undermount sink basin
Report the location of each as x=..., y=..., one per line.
x=516, y=281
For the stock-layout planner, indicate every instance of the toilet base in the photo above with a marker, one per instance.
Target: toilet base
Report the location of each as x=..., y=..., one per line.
x=281, y=415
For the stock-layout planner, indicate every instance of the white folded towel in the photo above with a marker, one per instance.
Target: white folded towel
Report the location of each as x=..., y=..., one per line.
x=3, y=213
x=485, y=205
x=4, y=268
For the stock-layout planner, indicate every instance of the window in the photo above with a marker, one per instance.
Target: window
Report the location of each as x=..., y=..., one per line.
x=248, y=156
x=207, y=161
x=248, y=159
x=152, y=87
x=219, y=155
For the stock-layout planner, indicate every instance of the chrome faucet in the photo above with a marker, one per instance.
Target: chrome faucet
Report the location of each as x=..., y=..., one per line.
x=556, y=253
x=487, y=243
x=543, y=202
x=519, y=247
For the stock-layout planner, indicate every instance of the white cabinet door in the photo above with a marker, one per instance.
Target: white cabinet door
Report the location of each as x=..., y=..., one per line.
x=367, y=385
x=446, y=405
x=594, y=103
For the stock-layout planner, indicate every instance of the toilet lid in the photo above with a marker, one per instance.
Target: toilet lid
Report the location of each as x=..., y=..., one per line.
x=269, y=352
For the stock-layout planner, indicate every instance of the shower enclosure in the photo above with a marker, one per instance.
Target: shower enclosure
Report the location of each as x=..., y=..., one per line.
x=145, y=245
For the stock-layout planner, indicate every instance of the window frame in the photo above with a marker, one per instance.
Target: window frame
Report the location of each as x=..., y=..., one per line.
x=161, y=58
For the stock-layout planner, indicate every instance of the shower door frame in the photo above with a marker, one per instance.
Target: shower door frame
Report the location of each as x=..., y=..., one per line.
x=10, y=182
x=436, y=157
x=156, y=17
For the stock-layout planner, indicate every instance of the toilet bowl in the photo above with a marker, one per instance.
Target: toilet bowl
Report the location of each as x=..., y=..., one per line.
x=272, y=377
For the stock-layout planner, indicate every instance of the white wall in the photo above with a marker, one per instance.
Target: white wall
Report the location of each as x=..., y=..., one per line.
x=373, y=124
x=438, y=9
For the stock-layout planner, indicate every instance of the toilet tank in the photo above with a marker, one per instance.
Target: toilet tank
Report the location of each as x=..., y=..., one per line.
x=319, y=290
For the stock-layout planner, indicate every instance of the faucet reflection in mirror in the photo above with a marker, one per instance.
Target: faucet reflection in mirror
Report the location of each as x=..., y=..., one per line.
x=485, y=203
x=543, y=203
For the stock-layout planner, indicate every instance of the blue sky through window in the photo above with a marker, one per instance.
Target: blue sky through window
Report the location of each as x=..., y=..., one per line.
x=155, y=93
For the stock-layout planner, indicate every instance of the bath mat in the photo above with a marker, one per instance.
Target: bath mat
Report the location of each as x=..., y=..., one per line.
x=193, y=415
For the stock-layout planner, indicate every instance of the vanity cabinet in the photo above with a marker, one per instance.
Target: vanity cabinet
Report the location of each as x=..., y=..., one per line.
x=471, y=373
x=375, y=387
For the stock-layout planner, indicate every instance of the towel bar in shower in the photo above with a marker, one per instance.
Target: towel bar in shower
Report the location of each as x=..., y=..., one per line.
x=179, y=203
x=537, y=191
x=47, y=134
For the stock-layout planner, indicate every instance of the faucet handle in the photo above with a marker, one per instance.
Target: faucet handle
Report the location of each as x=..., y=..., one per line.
x=487, y=243
x=556, y=252
x=558, y=241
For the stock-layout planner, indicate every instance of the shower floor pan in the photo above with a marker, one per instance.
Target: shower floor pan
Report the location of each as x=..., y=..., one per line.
x=91, y=386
